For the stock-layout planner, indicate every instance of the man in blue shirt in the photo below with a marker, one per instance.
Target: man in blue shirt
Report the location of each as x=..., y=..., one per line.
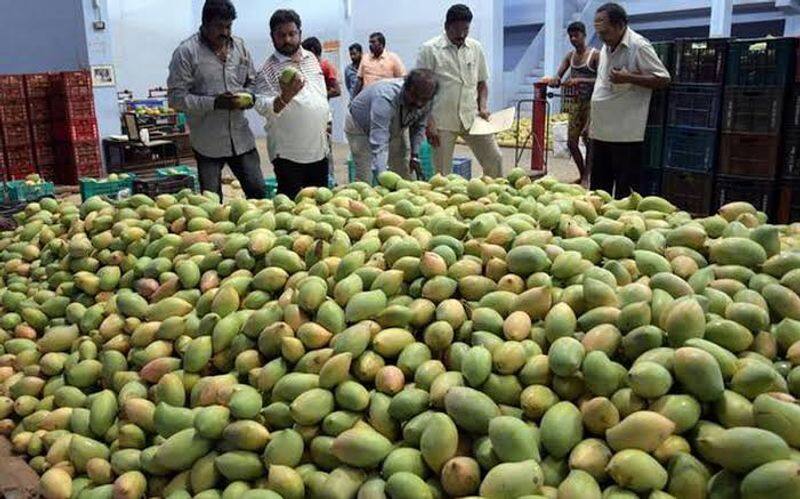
x=351, y=71
x=384, y=117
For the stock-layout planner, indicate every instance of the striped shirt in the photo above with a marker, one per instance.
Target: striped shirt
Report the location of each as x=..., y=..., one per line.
x=299, y=132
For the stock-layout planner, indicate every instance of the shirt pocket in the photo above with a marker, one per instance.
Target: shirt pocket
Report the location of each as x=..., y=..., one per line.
x=469, y=68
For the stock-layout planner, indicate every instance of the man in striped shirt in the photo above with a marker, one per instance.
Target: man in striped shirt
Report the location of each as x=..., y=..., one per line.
x=296, y=111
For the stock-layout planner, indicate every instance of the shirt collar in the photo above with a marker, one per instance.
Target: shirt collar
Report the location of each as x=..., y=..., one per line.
x=626, y=38
x=204, y=40
x=285, y=58
x=445, y=42
x=383, y=55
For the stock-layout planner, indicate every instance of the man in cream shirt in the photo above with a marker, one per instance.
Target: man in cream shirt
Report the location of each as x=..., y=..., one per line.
x=460, y=67
x=628, y=72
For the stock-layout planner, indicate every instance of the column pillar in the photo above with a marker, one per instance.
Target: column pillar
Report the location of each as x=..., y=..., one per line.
x=721, y=18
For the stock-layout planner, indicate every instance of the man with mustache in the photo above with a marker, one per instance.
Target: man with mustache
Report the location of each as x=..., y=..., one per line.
x=292, y=96
x=207, y=72
x=379, y=64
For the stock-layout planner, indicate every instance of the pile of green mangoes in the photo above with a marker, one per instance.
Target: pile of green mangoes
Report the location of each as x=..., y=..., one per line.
x=496, y=338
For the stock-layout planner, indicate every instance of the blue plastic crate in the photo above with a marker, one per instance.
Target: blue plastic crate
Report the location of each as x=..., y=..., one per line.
x=19, y=190
x=271, y=186
x=112, y=188
x=463, y=167
x=690, y=149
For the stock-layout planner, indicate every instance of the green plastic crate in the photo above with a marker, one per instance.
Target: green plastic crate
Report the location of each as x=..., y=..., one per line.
x=19, y=190
x=111, y=188
x=271, y=187
x=180, y=170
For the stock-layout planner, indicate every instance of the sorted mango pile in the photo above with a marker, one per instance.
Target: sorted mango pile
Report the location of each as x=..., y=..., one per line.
x=496, y=338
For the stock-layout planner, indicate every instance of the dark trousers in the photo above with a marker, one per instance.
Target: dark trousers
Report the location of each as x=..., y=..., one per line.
x=292, y=177
x=616, y=164
x=246, y=167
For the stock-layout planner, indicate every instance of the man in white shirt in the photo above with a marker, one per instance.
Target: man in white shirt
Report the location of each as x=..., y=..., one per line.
x=628, y=72
x=297, y=111
x=460, y=67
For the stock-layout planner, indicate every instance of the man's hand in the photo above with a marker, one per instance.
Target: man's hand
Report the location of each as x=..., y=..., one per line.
x=484, y=113
x=551, y=81
x=225, y=101
x=415, y=167
x=433, y=136
x=248, y=104
x=291, y=89
x=620, y=76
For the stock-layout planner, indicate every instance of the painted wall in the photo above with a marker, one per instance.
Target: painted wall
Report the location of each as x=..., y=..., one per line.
x=41, y=35
x=100, y=50
x=515, y=41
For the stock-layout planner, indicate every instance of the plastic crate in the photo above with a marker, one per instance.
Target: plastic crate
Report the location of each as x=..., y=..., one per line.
x=271, y=187
x=694, y=106
x=22, y=191
x=37, y=86
x=690, y=149
x=12, y=88
x=68, y=110
x=39, y=111
x=41, y=133
x=653, y=156
x=463, y=167
x=16, y=134
x=651, y=182
x=791, y=152
x=78, y=153
x=666, y=52
x=749, y=155
x=761, y=63
x=44, y=154
x=153, y=186
x=19, y=158
x=61, y=93
x=75, y=130
x=75, y=78
x=180, y=170
x=657, y=113
x=351, y=171
x=690, y=191
x=13, y=112
x=753, y=110
x=111, y=188
x=761, y=193
x=700, y=60
x=788, y=202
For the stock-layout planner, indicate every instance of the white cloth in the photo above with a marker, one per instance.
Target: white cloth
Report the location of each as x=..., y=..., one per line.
x=619, y=112
x=299, y=132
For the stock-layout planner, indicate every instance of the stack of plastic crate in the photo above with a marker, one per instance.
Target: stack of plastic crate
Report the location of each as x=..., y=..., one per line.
x=15, y=128
x=75, y=127
x=653, y=159
x=37, y=96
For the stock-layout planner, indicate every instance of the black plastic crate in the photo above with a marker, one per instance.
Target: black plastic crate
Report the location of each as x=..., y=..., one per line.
x=749, y=155
x=761, y=193
x=791, y=152
x=690, y=149
x=791, y=114
x=657, y=114
x=651, y=182
x=761, y=63
x=753, y=110
x=152, y=186
x=694, y=106
x=666, y=52
x=700, y=60
x=788, y=209
x=690, y=191
x=653, y=156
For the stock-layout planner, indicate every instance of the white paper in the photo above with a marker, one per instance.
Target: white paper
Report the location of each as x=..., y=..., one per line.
x=497, y=122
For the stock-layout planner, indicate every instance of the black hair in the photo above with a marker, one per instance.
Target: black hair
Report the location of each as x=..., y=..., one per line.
x=458, y=12
x=380, y=37
x=576, y=26
x=421, y=77
x=313, y=45
x=616, y=14
x=218, y=9
x=283, y=16
x=355, y=46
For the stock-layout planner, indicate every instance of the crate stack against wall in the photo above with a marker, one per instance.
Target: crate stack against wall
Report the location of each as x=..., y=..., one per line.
x=653, y=158
x=693, y=123
x=15, y=129
x=789, y=181
x=37, y=95
x=759, y=73
x=74, y=127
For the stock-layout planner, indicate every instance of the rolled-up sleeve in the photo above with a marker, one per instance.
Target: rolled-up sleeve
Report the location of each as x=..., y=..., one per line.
x=648, y=62
x=179, y=86
x=381, y=115
x=265, y=94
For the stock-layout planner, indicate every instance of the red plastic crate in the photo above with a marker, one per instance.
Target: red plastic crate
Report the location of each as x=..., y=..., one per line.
x=42, y=133
x=44, y=154
x=75, y=130
x=749, y=155
x=37, y=86
x=12, y=88
x=16, y=134
x=78, y=153
x=14, y=111
x=61, y=93
x=48, y=172
x=73, y=110
x=19, y=159
x=39, y=110
x=75, y=78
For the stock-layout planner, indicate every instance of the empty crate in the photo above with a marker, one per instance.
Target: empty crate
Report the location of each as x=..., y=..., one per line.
x=788, y=202
x=791, y=152
x=694, y=106
x=761, y=193
x=761, y=63
x=689, y=191
x=651, y=182
x=749, y=155
x=653, y=155
x=753, y=110
x=690, y=149
x=700, y=60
